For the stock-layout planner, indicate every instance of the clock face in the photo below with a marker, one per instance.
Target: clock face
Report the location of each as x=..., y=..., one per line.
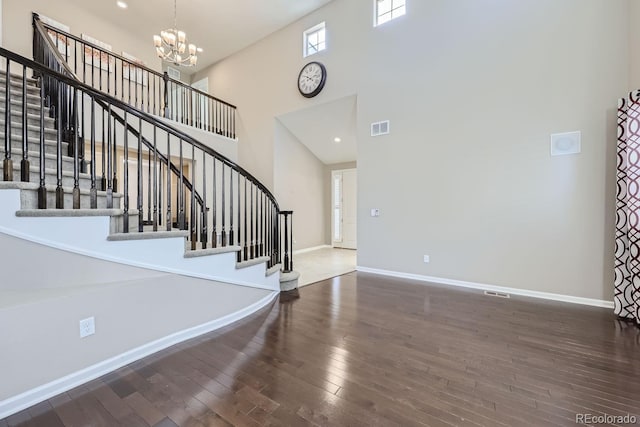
x=311, y=79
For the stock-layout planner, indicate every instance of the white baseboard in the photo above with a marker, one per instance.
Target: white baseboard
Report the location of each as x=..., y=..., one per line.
x=314, y=248
x=485, y=287
x=36, y=395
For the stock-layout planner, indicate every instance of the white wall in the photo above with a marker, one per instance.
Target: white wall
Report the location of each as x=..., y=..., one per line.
x=128, y=315
x=473, y=90
x=300, y=186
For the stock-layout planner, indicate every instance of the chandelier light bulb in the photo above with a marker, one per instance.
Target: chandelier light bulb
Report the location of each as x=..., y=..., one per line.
x=172, y=46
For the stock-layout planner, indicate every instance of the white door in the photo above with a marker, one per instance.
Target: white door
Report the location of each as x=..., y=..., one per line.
x=344, y=208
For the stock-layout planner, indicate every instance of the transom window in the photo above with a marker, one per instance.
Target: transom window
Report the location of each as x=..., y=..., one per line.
x=386, y=10
x=314, y=40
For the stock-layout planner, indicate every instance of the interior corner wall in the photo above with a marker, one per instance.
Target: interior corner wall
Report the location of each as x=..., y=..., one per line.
x=16, y=22
x=634, y=45
x=327, y=194
x=473, y=90
x=300, y=186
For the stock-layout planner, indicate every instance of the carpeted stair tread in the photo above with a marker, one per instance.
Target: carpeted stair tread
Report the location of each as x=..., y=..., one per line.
x=146, y=235
x=45, y=213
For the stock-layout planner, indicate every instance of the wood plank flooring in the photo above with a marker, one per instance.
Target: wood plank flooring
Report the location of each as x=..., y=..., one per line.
x=366, y=350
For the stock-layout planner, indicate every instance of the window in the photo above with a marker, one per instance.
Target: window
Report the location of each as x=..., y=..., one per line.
x=386, y=10
x=314, y=40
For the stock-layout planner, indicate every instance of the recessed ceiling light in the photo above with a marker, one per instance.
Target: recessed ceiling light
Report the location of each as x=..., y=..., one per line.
x=337, y=139
x=121, y=4
x=199, y=49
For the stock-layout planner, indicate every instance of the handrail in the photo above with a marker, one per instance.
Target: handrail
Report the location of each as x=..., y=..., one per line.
x=188, y=105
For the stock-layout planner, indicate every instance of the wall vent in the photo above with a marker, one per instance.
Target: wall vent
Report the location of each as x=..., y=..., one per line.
x=380, y=128
x=174, y=73
x=496, y=294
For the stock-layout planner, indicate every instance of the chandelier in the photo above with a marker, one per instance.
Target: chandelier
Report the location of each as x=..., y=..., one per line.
x=171, y=45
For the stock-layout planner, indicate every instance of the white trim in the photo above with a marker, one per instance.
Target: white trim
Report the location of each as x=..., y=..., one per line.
x=41, y=393
x=314, y=248
x=482, y=286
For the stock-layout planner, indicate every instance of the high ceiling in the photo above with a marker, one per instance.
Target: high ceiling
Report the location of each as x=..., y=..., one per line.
x=222, y=27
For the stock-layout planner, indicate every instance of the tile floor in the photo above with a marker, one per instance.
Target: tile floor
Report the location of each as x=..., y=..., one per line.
x=323, y=264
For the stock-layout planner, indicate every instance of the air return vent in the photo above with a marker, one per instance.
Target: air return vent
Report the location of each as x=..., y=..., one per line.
x=173, y=73
x=496, y=294
x=380, y=128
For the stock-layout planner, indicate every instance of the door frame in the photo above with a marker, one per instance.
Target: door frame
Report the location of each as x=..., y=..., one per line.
x=334, y=173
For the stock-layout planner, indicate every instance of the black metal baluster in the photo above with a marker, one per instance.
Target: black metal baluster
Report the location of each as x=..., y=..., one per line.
x=109, y=162
x=181, y=214
x=122, y=82
x=252, y=242
x=140, y=184
x=286, y=242
x=214, y=232
x=155, y=176
x=165, y=79
x=93, y=193
x=169, y=219
x=76, y=152
x=148, y=186
x=114, y=159
x=239, y=253
x=223, y=212
x=160, y=191
x=24, y=164
x=194, y=232
x=205, y=209
x=125, y=192
x=231, y=236
x=42, y=189
x=245, y=231
x=59, y=189
x=7, y=165
x=263, y=223
x=103, y=186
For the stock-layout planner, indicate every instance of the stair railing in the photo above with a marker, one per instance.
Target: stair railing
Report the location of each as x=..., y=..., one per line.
x=222, y=205
x=139, y=86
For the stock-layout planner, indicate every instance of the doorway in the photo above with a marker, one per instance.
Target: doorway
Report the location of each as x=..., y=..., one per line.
x=344, y=209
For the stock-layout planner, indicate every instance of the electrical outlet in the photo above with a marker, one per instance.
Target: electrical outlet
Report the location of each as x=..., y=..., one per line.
x=426, y=259
x=87, y=327
x=375, y=212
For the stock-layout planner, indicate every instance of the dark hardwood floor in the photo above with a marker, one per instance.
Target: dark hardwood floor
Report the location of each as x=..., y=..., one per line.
x=365, y=350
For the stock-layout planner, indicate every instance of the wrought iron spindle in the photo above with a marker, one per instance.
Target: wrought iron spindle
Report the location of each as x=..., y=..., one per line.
x=223, y=212
x=7, y=165
x=76, y=152
x=181, y=214
x=125, y=192
x=194, y=232
x=214, y=232
x=59, y=189
x=155, y=178
x=42, y=189
x=205, y=209
x=109, y=162
x=24, y=164
x=245, y=230
x=169, y=218
x=252, y=241
x=140, y=184
x=93, y=193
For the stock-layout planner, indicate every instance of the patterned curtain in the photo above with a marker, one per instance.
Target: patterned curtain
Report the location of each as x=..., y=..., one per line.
x=627, y=262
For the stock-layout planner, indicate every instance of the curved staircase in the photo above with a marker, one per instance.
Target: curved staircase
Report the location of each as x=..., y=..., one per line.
x=100, y=184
